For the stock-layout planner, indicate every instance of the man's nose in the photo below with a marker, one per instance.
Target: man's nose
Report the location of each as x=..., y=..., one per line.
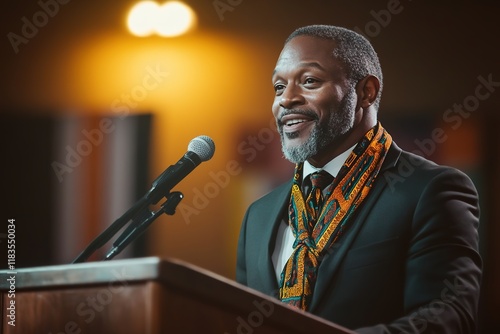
x=291, y=97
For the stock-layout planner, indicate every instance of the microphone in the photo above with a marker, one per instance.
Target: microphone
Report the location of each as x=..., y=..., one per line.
x=200, y=149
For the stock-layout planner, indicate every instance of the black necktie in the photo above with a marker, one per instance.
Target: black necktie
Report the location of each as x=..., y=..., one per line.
x=319, y=181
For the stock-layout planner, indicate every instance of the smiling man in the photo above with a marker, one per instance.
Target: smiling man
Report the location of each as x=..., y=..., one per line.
x=338, y=240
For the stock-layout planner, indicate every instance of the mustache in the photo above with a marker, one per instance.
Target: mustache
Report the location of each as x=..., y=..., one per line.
x=306, y=112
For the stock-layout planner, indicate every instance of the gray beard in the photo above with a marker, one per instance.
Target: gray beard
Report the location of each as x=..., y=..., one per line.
x=322, y=135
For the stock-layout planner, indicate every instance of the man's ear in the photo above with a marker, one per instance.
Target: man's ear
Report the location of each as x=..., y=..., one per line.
x=367, y=90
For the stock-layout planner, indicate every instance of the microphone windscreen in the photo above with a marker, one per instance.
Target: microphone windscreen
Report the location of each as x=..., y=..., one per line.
x=203, y=146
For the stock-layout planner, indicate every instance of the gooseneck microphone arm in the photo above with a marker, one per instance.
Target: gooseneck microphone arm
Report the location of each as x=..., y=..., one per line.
x=135, y=230
x=107, y=234
x=139, y=216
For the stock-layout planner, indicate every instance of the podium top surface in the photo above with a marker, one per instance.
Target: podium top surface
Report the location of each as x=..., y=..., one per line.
x=148, y=268
x=176, y=274
x=101, y=272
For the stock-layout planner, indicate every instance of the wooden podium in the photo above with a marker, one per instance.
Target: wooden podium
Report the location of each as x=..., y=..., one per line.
x=145, y=295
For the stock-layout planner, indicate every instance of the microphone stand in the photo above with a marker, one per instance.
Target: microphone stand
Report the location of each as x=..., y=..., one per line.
x=133, y=230
x=138, y=212
x=108, y=233
x=159, y=188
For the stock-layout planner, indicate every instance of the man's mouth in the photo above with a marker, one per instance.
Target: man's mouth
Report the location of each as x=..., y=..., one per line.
x=295, y=122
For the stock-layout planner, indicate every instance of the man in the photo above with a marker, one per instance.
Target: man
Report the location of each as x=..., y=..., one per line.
x=375, y=250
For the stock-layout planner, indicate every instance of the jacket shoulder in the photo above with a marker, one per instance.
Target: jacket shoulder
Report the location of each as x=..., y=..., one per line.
x=404, y=167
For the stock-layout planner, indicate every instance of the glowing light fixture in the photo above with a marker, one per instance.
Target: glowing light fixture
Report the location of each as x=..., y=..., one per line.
x=173, y=18
x=141, y=19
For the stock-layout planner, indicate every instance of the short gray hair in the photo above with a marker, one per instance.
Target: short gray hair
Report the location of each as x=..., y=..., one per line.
x=352, y=50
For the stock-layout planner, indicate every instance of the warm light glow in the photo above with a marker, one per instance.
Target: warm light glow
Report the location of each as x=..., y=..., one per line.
x=142, y=17
x=173, y=18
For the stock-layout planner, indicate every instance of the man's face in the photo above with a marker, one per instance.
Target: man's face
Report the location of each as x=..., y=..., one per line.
x=314, y=103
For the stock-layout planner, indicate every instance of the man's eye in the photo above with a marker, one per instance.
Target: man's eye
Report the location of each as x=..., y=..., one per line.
x=310, y=81
x=278, y=88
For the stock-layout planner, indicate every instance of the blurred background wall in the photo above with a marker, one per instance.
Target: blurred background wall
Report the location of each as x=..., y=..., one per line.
x=90, y=115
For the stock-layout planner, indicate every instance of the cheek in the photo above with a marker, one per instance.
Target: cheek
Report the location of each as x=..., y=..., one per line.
x=327, y=106
x=276, y=108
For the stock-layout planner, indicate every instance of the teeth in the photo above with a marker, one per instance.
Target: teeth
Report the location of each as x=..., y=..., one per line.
x=295, y=121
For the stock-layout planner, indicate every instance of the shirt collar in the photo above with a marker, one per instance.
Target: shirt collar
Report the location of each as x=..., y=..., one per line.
x=332, y=167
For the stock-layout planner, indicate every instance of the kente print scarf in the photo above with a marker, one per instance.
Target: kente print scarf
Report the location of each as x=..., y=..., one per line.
x=344, y=196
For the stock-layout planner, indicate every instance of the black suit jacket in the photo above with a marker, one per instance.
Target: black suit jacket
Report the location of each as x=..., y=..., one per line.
x=408, y=262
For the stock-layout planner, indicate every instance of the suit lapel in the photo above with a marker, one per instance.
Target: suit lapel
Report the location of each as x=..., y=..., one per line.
x=273, y=214
x=331, y=263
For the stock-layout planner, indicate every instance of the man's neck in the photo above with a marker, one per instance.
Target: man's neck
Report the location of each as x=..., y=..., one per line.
x=332, y=167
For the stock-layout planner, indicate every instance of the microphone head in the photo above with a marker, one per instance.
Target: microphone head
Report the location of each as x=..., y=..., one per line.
x=203, y=147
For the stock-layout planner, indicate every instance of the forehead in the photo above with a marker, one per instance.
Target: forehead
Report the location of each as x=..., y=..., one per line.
x=306, y=51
